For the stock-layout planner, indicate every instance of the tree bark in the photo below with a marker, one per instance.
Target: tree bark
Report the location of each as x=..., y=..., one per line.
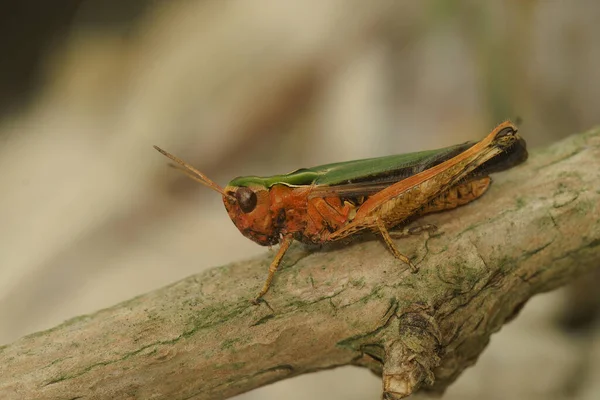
x=536, y=229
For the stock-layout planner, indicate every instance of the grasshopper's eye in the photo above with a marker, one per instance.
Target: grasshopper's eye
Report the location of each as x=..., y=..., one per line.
x=246, y=199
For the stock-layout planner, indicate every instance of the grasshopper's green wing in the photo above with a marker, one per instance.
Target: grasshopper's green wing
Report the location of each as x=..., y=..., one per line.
x=379, y=171
x=364, y=177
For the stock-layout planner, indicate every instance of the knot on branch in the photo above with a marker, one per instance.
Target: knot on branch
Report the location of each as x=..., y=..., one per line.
x=404, y=352
x=410, y=359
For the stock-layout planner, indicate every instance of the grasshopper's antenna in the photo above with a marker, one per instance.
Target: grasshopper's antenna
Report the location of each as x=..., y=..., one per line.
x=192, y=172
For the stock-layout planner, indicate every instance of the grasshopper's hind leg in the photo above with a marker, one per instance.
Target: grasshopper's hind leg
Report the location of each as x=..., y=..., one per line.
x=285, y=244
x=413, y=230
x=390, y=244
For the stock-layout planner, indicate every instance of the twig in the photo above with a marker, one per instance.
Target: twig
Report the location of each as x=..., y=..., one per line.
x=201, y=338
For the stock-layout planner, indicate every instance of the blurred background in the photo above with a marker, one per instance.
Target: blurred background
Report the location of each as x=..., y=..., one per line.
x=91, y=215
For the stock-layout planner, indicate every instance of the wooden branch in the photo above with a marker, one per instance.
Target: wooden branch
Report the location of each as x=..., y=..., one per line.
x=537, y=229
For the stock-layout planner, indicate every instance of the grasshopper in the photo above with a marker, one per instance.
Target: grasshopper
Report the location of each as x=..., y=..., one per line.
x=335, y=201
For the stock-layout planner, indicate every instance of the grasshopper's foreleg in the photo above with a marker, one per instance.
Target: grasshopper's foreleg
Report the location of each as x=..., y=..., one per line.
x=285, y=244
x=388, y=240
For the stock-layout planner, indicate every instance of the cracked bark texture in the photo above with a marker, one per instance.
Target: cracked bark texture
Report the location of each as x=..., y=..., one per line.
x=536, y=229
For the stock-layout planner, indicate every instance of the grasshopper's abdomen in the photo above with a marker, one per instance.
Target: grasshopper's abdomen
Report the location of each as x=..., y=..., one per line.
x=457, y=196
x=422, y=199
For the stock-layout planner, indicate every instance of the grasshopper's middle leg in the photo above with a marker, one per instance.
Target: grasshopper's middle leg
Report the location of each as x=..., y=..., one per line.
x=285, y=244
x=390, y=244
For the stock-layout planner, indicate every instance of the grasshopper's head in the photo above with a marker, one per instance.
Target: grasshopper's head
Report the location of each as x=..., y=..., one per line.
x=249, y=207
